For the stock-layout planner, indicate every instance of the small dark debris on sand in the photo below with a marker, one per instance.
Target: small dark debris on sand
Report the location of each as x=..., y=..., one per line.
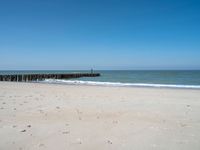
x=109, y=142
x=23, y=131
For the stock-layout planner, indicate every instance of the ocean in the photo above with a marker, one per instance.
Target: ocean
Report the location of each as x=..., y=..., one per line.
x=148, y=78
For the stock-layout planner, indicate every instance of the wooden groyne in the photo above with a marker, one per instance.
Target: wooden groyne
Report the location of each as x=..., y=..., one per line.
x=40, y=77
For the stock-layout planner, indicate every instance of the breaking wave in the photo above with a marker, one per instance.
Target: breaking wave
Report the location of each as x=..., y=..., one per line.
x=119, y=84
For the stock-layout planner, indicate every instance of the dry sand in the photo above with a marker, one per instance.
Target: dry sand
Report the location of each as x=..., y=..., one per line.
x=66, y=117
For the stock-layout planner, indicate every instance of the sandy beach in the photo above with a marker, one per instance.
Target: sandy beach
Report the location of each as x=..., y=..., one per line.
x=37, y=116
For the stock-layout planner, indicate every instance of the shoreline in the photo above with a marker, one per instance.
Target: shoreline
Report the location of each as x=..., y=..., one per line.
x=91, y=85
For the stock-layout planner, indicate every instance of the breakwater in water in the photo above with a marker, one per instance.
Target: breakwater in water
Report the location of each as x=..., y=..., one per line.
x=40, y=77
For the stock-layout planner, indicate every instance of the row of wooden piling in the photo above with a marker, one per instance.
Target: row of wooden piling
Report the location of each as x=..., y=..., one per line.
x=40, y=77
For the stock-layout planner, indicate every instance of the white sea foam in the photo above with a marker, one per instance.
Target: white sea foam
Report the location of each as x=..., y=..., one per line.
x=119, y=84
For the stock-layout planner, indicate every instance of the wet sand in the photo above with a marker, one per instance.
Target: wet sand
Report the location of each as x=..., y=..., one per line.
x=37, y=116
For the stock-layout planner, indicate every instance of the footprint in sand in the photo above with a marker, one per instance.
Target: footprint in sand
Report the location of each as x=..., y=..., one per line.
x=115, y=121
x=183, y=125
x=65, y=132
x=109, y=142
x=79, y=141
x=41, y=145
x=79, y=112
x=41, y=111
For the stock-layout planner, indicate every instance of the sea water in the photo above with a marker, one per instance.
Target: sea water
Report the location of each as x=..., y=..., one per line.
x=148, y=78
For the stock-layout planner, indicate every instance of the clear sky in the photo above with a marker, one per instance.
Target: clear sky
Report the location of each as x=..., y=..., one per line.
x=103, y=34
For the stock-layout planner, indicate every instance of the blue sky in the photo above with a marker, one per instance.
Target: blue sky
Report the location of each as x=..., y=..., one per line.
x=100, y=34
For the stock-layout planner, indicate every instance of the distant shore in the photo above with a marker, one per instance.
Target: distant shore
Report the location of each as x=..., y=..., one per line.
x=53, y=116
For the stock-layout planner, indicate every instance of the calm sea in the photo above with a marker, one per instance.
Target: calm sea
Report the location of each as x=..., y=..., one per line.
x=158, y=78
